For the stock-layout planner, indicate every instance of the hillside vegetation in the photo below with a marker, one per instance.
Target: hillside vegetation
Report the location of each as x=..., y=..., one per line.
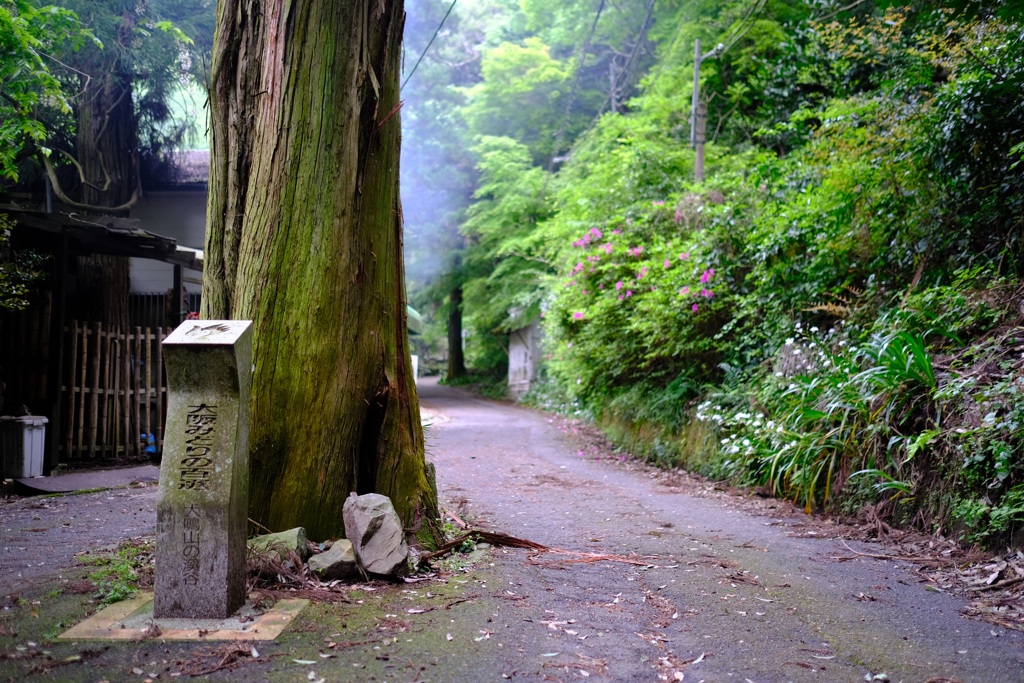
x=834, y=313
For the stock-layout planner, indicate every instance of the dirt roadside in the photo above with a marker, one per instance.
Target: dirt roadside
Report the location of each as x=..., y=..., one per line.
x=651, y=582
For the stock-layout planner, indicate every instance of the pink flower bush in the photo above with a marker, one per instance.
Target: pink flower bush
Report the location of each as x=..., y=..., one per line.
x=668, y=264
x=618, y=285
x=694, y=308
x=706, y=293
x=578, y=315
x=706, y=276
x=685, y=255
x=592, y=234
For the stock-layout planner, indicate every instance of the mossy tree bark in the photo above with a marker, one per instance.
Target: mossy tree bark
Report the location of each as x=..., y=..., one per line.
x=304, y=237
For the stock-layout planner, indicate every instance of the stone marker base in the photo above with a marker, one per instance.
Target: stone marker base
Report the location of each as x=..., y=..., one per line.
x=132, y=619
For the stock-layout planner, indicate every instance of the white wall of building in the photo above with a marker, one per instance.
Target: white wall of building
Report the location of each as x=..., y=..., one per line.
x=180, y=214
x=523, y=359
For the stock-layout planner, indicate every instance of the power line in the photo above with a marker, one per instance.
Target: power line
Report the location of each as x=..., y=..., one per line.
x=746, y=24
x=743, y=22
x=427, y=48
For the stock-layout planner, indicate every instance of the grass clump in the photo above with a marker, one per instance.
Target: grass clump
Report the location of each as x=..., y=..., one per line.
x=119, y=574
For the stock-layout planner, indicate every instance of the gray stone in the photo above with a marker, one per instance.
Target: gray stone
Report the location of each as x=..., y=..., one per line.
x=293, y=540
x=376, y=533
x=203, y=499
x=337, y=563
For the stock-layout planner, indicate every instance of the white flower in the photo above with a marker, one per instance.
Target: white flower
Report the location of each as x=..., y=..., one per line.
x=789, y=342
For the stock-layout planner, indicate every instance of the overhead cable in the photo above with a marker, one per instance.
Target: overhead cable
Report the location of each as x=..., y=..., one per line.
x=427, y=48
x=748, y=23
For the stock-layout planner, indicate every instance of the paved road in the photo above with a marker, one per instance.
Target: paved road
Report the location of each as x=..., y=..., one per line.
x=40, y=536
x=731, y=596
x=674, y=586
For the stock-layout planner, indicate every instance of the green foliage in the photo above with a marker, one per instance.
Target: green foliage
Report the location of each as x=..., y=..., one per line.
x=503, y=267
x=156, y=47
x=976, y=120
x=29, y=37
x=19, y=270
x=835, y=312
x=118, y=576
x=524, y=89
x=54, y=57
x=983, y=519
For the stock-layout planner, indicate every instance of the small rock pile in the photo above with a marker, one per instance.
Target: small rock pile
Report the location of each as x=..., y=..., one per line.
x=374, y=543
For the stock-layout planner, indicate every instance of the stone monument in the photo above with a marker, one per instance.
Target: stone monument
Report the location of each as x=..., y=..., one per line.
x=203, y=499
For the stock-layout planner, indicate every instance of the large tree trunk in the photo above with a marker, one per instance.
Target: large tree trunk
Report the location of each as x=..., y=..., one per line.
x=456, y=358
x=304, y=237
x=106, y=144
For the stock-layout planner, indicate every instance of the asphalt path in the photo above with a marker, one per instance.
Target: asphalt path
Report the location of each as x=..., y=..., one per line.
x=644, y=579
x=716, y=594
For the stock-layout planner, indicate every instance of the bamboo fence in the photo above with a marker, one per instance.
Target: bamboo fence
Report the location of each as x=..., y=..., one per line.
x=114, y=394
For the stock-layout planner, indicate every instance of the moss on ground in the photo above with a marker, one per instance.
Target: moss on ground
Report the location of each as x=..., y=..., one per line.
x=384, y=632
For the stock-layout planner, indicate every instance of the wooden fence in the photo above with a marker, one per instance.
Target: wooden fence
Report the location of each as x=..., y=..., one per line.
x=113, y=396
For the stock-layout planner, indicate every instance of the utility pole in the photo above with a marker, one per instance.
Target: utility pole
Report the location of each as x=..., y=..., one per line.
x=698, y=110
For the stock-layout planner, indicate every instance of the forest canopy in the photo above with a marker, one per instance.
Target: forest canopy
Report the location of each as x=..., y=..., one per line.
x=833, y=313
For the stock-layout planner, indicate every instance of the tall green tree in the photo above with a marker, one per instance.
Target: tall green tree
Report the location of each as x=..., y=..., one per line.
x=304, y=238
x=29, y=37
x=119, y=85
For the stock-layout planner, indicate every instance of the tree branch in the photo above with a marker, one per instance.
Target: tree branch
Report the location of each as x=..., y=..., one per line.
x=841, y=9
x=81, y=173
x=57, y=190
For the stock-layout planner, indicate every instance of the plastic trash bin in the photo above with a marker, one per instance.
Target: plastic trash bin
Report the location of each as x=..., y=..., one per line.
x=23, y=440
